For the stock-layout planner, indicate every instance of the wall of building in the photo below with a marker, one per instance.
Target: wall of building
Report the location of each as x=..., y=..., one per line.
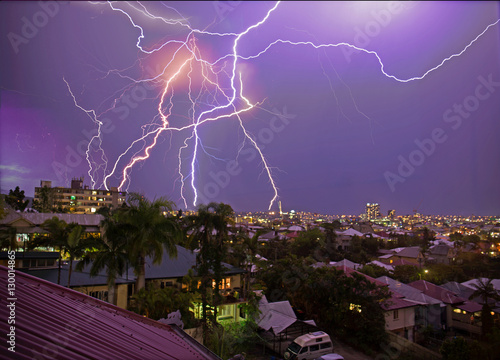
x=405, y=319
x=121, y=293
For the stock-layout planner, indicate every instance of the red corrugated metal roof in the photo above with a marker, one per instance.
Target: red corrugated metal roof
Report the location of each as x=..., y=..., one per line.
x=437, y=292
x=396, y=301
x=54, y=322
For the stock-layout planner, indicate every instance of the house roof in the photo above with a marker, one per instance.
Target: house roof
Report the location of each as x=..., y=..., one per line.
x=39, y=218
x=439, y=250
x=77, y=278
x=381, y=264
x=469, y=306
x=409, y=252
x=471, y=283
x=399, y=262
x=168, y=269
x=277, y=316
x=396, y=302
x=348, y=271
x=31, y=255
x=66, y=324
x=459, y=289
x=178, y=267
x=351, y=232
x=347, y=263
x=410, y=293
x=437, y=292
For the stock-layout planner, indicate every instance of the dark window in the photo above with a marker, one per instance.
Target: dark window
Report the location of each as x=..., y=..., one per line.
x=314, y=348
x=325, y=345
x=304, y=350
x=40, y=262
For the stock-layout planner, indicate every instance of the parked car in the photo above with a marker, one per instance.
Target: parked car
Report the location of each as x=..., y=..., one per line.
x=309, y=346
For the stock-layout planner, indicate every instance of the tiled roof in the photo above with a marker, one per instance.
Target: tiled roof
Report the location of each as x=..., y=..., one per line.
x=56, y=322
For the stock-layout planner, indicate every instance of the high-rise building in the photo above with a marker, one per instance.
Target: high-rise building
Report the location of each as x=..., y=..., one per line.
x=79, y=198
x=372, y=211
x=391, y=214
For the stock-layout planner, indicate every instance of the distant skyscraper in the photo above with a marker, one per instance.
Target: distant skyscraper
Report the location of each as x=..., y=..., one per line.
x=391, y=214
x=372, y=211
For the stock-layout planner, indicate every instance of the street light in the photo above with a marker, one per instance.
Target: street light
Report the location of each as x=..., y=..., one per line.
x=420, y=274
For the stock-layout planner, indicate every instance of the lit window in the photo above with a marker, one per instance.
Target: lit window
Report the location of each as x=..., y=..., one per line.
x=355, y=307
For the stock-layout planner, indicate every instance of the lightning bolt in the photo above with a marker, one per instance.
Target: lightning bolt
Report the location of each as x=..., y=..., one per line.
x=215, y=91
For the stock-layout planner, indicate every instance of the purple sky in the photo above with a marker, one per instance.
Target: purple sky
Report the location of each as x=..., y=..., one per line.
x=335, y=131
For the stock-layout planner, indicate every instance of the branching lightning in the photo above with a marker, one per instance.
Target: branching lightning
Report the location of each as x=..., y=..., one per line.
x=215, y=90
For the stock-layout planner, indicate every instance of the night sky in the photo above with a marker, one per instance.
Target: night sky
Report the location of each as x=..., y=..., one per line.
x=336, y=129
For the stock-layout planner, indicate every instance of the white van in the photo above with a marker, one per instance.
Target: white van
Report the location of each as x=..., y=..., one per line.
x=309, y=346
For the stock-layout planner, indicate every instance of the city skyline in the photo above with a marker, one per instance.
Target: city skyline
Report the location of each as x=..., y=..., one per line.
x=336, y=119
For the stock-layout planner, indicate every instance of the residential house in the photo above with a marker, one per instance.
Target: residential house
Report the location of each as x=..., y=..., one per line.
x=168, y=273
x=171, y=271
x=344, y=238
x=399, y=312
x=400, y=315
x=28, y=225
x=440, y=254
x=412, y=255
x=428, y=309
x=457, y=312
x=279, y=324
x=96, y=287
x=56, y=322
x=31, y=259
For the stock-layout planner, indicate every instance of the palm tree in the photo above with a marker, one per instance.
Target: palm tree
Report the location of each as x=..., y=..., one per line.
x=57, y=238
x=8, y=238
x=247, y=249
x=150, y=232
x=111, y=254
x=209, y=232
x=77, y=245
x=484, y=289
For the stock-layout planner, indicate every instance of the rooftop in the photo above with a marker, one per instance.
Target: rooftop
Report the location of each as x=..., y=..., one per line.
x=67, y=324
